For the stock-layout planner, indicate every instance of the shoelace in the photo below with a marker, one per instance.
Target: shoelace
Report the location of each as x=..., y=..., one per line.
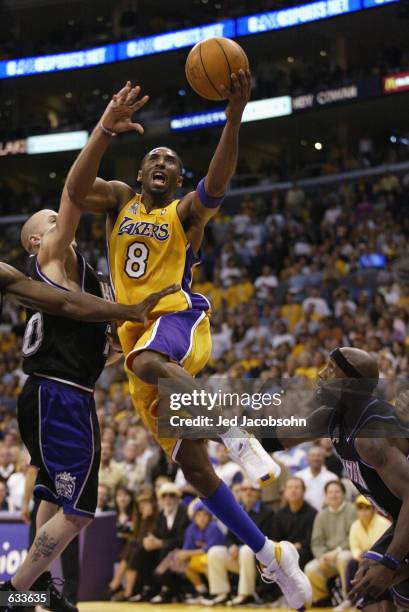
x=55, y=582
x=266, y=579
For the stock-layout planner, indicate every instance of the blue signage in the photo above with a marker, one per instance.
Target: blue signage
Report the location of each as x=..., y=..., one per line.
x=13, y=548
x=297, y=15
x=170, y=41
x=372, y=3
x=61, y=61
x=179, y=39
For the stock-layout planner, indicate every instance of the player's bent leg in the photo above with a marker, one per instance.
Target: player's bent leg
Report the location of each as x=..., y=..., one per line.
x=244, y=449
x=280, y=560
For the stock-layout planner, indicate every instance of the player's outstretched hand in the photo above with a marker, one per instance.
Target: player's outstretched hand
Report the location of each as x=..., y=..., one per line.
x=141, y=311
x=238, y=95
x=118, y=114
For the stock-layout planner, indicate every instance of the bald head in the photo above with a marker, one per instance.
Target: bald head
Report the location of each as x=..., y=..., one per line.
x=362, y=361
x=35, y=227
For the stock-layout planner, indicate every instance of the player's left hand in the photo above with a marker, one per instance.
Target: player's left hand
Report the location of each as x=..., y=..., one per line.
x=140, y=312
x=370, y=584
x=238, y=95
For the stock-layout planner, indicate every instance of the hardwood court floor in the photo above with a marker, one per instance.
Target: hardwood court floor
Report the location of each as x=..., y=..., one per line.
x=110, y=606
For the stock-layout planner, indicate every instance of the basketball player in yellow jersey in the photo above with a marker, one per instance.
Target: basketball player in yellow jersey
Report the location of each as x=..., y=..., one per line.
x=154, y=240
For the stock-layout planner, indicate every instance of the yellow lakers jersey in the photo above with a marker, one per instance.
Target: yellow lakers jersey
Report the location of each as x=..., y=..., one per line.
x=149, y=251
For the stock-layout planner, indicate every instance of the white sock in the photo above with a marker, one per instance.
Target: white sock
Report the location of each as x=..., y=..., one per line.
x=268, y=553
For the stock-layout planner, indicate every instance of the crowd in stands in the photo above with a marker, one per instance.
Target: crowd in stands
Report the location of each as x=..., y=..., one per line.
x=289, y=279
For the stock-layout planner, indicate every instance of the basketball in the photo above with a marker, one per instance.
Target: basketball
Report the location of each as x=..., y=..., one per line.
x=210, y=64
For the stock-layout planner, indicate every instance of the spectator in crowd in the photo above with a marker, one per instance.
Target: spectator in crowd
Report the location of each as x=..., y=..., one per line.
x=330, y=541
x=265, y=283
x=111, y=473
x=124, y=508
x=291, y=310
x=365, y=531
x=294, y=458
x=16, y=482
x=332, y=461
x=6, y=465
x=4, y=504
x=294, y=521
x=134, y=473
x=167, y=534
x=145, y=452
x=315, y=477
x=132, y=553
x=236, y=557
x=102, y=499
x=202, y=534
x=314, y=298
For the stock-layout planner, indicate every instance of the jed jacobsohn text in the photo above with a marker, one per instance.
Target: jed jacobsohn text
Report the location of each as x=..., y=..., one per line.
x=209, y=401
x=235, y=421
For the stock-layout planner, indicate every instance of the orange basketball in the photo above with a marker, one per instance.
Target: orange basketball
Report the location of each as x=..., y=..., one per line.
x=210, y=64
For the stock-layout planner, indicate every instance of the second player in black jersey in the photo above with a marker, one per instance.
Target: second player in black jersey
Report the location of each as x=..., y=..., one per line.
x=373, y=445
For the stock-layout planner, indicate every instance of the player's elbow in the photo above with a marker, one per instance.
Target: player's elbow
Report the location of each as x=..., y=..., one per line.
x=73, y=195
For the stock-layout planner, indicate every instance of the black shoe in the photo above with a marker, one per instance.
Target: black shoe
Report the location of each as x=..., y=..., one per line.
x=164, y=597
x=58, y=601
x=215, y=600
x=145, y=595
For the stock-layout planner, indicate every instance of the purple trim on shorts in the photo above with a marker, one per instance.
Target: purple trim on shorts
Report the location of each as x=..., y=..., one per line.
x=173, y=335
x=197, y=300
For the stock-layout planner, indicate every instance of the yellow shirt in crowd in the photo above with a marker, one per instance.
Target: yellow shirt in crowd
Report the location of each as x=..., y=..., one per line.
x=361, y=539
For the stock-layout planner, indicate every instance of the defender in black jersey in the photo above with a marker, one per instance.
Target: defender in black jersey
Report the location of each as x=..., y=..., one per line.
x=56, y=411
x=82, y=306
x=373, y=445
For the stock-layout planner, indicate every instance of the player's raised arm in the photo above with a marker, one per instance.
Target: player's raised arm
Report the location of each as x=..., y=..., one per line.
x=211, y=189
x=82, y=185
x=76, y=305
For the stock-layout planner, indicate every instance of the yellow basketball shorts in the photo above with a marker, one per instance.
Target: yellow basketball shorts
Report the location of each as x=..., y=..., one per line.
x=184, y=337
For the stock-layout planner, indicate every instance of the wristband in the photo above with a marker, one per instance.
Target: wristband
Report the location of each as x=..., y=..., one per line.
x=390, y=562
x=207, y=200
x=106, y=131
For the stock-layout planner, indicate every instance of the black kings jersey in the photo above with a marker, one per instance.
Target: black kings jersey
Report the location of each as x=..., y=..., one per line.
x=364, y=476
x=58, y=347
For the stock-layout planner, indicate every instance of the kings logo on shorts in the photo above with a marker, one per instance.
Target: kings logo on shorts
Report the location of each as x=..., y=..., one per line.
x=65, y=484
